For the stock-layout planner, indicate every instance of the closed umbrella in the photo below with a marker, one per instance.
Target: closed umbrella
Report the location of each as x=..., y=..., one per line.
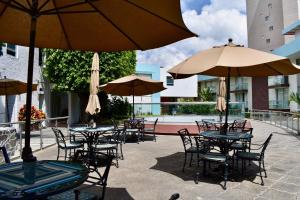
x=93, y=106
x=233, y=60
x=103, y=25
x=133, y=85
x=221, y=104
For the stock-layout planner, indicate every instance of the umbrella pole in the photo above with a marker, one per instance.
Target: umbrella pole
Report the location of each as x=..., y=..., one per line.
x=27, y=152
x=227, y=102
x=133, y=115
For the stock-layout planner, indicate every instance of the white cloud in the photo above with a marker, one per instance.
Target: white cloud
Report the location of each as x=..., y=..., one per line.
x=217, y=22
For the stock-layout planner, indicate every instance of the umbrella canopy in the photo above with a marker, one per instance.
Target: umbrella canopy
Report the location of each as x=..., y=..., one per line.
x=93, y=105
x=13, y=87
x=133, y=85
x=233, y=60
x=88, y=25
x=221, y=104
x=240, y=60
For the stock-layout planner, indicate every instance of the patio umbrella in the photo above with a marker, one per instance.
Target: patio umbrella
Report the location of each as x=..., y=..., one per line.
x=221, y=104
x=12, y=87
x=88, y=25
x=93, y=105
x=133, y=85
x=233, y=60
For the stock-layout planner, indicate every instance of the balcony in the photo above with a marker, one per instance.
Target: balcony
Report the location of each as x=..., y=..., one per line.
x=279, y=105
x=240, y=87
x=278, y=81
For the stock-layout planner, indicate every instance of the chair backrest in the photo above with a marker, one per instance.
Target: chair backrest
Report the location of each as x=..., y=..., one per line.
x=59, y=136
x=201, y=126
x=238, y=125
x=186, y=138
x=5, y=154
x=265, y=145
x=209, y=125
x=155, y=123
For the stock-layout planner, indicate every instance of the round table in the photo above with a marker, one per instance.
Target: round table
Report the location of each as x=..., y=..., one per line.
x=225, y=141
x=39, y=179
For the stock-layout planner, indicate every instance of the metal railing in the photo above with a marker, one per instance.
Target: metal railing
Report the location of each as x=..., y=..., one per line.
x=287, y=120
x=273, y=104
x=41, y=129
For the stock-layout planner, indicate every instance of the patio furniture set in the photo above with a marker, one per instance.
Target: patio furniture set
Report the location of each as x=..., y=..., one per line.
x=212, y=145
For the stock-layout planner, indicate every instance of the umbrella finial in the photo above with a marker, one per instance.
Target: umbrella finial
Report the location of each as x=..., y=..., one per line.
x=230, y=40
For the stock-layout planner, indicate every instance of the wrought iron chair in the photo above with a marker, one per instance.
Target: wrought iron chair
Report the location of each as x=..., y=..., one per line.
x=152, y=129
x=238, y=125
x=208, y=156
x=201, y=126
x=255, y=156
x=210, y=125
x=100, y=159
x=63, y=144
x=189, y=147
x=133, y=127
x=111, y=144
x=5, y=154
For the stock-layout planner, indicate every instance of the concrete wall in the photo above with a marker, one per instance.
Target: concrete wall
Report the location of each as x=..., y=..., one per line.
x=187, y=87
x=15, y=67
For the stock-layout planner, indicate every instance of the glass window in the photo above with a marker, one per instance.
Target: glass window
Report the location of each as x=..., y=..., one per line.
x=170, y=81
x=270, y=5
x=271, y=28
x=268, y=41
x=266, y=18
x=11, y=49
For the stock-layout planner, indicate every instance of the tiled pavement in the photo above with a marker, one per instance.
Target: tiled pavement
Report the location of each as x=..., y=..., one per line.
x=152, y=170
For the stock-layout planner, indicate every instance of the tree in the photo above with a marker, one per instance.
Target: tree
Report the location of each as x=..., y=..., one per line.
x=206, y=94
x=295, y=97
x=70, y=70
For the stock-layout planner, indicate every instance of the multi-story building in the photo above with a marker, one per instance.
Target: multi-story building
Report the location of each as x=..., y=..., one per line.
x=271, y=29
x=13, y=65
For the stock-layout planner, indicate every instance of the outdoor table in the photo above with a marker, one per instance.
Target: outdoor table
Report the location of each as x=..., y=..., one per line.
x=40, y=179
x=91, y=134
x=225, y=141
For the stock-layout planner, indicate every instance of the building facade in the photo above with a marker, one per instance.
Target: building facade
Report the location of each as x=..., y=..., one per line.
x=13, y=65
x=271, y=28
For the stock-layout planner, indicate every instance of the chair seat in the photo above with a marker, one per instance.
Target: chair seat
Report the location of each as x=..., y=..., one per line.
x=195, y=150
x=105, y=146
x=238, y=146
x=248, y=155
x=71, y=195
x=211, y=156
x=73, y=145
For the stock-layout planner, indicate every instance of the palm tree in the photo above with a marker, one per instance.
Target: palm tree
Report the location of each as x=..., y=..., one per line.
x=206, y=94
x=295, y=97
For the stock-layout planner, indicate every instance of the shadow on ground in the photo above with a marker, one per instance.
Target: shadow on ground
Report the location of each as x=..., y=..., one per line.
x=173, y=164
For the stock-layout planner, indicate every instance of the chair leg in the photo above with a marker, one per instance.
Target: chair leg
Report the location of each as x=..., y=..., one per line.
x=225, y=175
x=263, y=163
x=58, y=152
x=66, y=152
x=121, y=149
x=191, y=159
x=260, y=174
x=184, y=161
x=117, y=158
x=154, y=136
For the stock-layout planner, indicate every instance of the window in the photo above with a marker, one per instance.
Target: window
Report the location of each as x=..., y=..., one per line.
x=271, y=28
x=298, y=61
x=170, y=81
x=269, y=5
x=11, y=49
x=266, y=18
x=268, y=41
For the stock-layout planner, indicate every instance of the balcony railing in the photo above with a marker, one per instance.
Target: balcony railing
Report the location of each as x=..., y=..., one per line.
x=278, y=104
x=278, y=81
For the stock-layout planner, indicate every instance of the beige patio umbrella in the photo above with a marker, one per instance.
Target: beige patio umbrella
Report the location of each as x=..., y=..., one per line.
x=93, y=106
x=221, y=104
x=133, y=85
x=233, y=60
x=92, y=25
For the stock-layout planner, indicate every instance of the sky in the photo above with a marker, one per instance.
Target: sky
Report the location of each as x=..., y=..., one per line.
x=214, y=21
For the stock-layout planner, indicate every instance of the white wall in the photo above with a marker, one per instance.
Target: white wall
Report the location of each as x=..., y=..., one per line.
x=182, y=87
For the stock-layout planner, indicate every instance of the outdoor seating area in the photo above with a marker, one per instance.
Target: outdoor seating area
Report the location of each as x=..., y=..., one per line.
x=160, y=164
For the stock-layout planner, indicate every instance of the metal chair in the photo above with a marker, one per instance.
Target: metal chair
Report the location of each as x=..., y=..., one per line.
x=152, y=129
x=189, y=147
x=208, y=156
x=5, y=154
x=77, y=194
x=63, y=144
x=255, y=156
x=238, y=125
x=133, y=127
x=210, y=125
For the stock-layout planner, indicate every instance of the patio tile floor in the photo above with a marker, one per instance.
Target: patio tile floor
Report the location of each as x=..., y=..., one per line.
x=152, y=170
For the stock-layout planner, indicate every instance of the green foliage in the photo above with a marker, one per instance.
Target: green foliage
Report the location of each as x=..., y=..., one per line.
x=120, y=108
x=70, y=70
x=206, y=94
x=198, y=109
x=295, y=97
